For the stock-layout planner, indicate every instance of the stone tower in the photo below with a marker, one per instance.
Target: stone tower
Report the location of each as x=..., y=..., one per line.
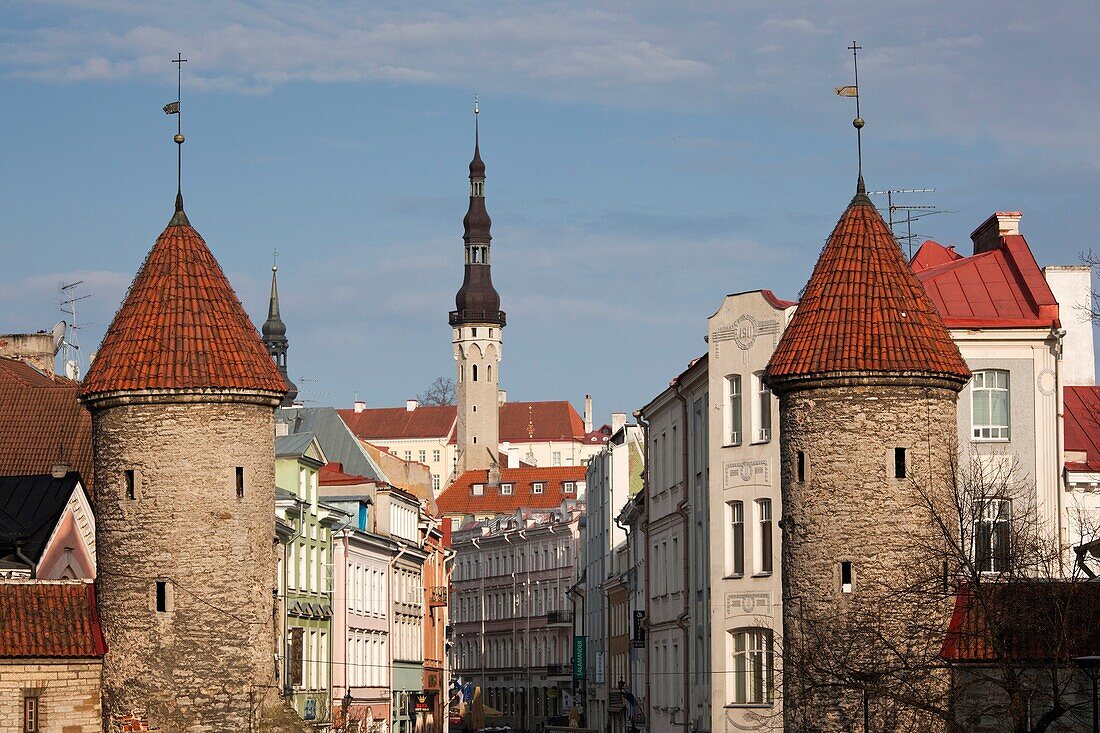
x=867, y=378
x=182, y=395
x=477, y=323
x=274, y=337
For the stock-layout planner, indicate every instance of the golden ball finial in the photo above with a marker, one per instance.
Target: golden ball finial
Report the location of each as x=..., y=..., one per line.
x=178, y=138
x=858, y=123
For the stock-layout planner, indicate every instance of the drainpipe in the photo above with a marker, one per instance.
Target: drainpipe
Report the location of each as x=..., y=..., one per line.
x=19, y=554
x=683, y=509
x=1060, y=426
x=643, y=423
x=512, y=656
x=392, y=617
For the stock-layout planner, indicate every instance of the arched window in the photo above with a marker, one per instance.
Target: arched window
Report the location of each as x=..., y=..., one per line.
x=474, y=372
x=489, y=373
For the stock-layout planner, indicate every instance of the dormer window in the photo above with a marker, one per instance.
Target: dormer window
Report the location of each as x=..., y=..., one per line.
x=479, y=489
x=538, y=487
x=506, y=489
x=568, y=487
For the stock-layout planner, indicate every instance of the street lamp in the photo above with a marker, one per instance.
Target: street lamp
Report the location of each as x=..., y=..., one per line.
x=1091, y=665
x=345, y=705
x=865, y=679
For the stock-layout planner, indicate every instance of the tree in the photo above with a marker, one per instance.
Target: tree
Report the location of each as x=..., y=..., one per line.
x=439, y=392
x=984, y=626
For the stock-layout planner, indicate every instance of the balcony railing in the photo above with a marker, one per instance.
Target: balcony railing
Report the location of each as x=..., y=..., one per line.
x=437, y=595
x=559, y=617
x=476, y=315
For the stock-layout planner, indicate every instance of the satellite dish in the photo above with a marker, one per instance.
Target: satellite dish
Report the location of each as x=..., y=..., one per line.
x=58, y=336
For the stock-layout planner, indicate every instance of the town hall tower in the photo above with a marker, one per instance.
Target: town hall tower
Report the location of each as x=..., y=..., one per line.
x=477, y=323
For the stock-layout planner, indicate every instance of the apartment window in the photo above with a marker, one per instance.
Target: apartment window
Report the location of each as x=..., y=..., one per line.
x=764, y=535
x=753, y=662
x=845, y=576
x=568, y=487
x=762, y=410
x=32, y=713
x=408, y=455
x=239, y=480
x=989, y=403
x=900, y=469
x=992, y=539
x=736, y=553
x=506, y=489
x=555, y=458
x=733, y=409
x=479, y=489
x=537, y=487
x=130, y=479
x=435, y=456
x=800, y=465
x=423, y=456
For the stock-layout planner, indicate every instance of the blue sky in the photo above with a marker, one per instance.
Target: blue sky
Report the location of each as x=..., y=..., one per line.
x=644, y=159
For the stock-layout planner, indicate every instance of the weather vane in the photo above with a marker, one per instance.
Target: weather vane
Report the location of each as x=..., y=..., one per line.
x=853, y=91
x=173, y=108
x=274, y=260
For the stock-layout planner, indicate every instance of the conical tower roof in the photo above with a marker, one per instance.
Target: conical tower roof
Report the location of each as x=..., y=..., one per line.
x=864, y=313
x=182, y=327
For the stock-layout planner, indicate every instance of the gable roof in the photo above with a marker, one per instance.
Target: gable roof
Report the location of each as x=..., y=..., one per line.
x=181, y=326
x=31, y=507
x=863, y=311
x=299, y=445
x=458, y=498
x=1082, y=426
x=49, y=619
x=42, y=416
x=520, y=422
x=337, y=441
x=1001, y=287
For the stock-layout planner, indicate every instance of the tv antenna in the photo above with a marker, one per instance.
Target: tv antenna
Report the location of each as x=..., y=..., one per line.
x=912, y=213
x=70, y=339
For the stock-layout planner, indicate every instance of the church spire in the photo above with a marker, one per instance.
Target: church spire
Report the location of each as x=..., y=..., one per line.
x=274, y=336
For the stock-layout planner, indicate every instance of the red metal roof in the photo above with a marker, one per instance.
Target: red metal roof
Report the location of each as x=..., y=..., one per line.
x=1001, y=287
x=1082, y=426
x=181, y=326
x=49, y=619
x=458, y=498
x=864, y=311
x=332, y=474
x=520, y=422
x=1039, y=620
x=42, y=418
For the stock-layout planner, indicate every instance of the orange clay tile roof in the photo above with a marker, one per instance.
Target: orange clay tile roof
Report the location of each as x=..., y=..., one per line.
x=520, y=422
x=42, y=418
x=864, y=310
x=49, y=619
x=459, y=499
x=181, y=326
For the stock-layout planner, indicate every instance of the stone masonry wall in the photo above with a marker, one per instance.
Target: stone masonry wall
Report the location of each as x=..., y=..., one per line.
x=68, y=691
x=205, y=664
x=850, y=507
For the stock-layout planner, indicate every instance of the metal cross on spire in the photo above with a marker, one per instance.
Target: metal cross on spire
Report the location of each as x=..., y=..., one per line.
x=173, y=108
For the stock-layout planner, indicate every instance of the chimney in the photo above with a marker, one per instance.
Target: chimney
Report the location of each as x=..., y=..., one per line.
x=506, y=451
x=588, y=413
x=360, y=405
x=618, y=419
x=411, y=405
x=502, y=396
x=494, y=474
x=988, y=236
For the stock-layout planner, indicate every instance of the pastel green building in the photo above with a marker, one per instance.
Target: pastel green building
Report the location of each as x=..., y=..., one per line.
x=304, y=530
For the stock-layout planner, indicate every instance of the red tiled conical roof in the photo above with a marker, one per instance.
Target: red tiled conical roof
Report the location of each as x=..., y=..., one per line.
x=181, y=326
x=864, y=311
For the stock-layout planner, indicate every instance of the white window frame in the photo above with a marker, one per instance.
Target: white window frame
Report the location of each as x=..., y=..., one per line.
x=761, y=409
x=992, y=523
x=735, y=550
x=538, y=487
x=752, y=666
x=734, y=417
x=986, y=383
x=506, y=489
x=478, y=489
x=763, y=531
x=568, y=487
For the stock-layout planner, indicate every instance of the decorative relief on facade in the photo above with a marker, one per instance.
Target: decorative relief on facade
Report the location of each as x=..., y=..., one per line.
x=747, y=473
x=745, y=329
x=1045, y=382
x=740, y=604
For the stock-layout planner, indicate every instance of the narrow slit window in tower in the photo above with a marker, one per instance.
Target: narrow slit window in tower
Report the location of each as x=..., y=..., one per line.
x=801, y=468
x=899, y=463
x=474, y=372
x=240, y=481
x=162, y=596
x=846, y=576
x=489, y=371
x=131, y=484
